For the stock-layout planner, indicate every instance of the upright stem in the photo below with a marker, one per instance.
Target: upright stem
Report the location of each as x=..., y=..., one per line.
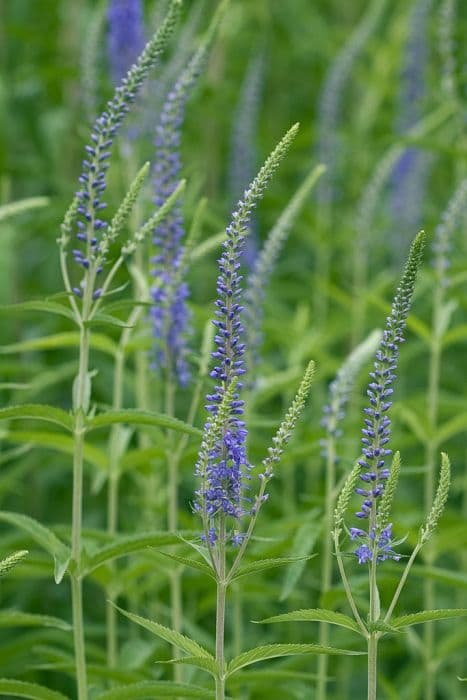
x=326, y=564
x=373, y=636
x=80, y=411
x=429, y=593
x=220, y=613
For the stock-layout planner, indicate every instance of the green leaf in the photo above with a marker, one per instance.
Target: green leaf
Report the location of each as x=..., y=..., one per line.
x=203, y=662
x=61, y=443
x=427, y=616
x=189, y=646
x=102, y=319
x=136, y=417
x=272, y=651
x=16, y=618
x=159, y=689
x=20, y=689
x=303, y=543
x=57, y=341
x=50, y=307
x=21, y=205
x=451, y=428
x=44, y=537
x=264, y=564
x=128, y=545
x=50, y=414
x=193, y=563
x=316, y=615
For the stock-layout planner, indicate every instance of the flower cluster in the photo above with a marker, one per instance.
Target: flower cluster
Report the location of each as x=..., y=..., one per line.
x=93, y=176
x=376, y=433
x=382, y=545
x=223, y=464
x=126, y=35
x=442, y=240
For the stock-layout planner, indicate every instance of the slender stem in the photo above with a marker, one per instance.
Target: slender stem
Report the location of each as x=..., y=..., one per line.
x=326, y=563
x=372, y=665
x=401, y=583
x=429, y=593
x=80, y=410
x=220, y=613
x=347, y=589
x=373, y=636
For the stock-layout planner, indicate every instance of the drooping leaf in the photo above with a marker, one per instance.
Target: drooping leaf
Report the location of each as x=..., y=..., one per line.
x=50, y=414
x=44, y=537
x=136, y=417
x=60, y=443
x=16, y=618
x=272, y=651
x=316, y=615
x=128, y=545
x=50, y=307
x=21, y=689
x=203, y=662
x=58, y=341
x=189, y=646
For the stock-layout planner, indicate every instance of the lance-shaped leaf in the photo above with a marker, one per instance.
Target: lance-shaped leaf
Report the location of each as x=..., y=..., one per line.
x=264, y=564
x=272, y=651
x=189, y=646
x=21, y=689
x=208, y=664
x=129, y=545
x=316, y=615
x=50, y=414
x=16, y=618
x=50, y=307
x=427, y=616
x=136, y=417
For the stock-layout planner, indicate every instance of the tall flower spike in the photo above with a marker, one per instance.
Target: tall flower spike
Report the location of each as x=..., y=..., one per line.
x=341, y=386
x=170, y=316
x=93, y=177
x=264, y=264
x=376, y=433
x=126, y=35
x=223, y=476
x=243, y=140
x=411, y=169
x=442, y=240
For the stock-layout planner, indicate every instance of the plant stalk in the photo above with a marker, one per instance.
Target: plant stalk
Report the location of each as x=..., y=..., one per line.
x=220, y=613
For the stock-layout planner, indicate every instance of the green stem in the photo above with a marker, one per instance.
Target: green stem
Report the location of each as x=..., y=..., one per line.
x=373, y=636
x=429, y=592
x=80, y=410
x=220, y=613
x=326, y=564
x=347, y=588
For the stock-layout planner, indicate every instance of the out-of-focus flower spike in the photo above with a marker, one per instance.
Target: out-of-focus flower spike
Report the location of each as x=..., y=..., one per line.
x=126, y=35
x=9, y=563
x=341, y=387
x=411, y=169
x=332, y=95
x=264, y=264
x=243, y=155
x=442, y=241
x=170, y=320
x=446, y=45
x=90, y=58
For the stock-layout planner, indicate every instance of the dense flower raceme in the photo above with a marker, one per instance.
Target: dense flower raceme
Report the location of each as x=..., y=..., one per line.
x=169, y=313
x=411, y=169
x=93, y=177
x=223, y=467
x=376, y=433
x=126, y=35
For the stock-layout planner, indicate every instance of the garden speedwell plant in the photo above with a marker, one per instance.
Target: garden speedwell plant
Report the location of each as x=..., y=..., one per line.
x=228, y=512
x=376, y=543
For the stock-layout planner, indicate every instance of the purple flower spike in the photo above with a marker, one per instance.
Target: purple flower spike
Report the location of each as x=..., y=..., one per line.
x=126, y=35
x=376, y=433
